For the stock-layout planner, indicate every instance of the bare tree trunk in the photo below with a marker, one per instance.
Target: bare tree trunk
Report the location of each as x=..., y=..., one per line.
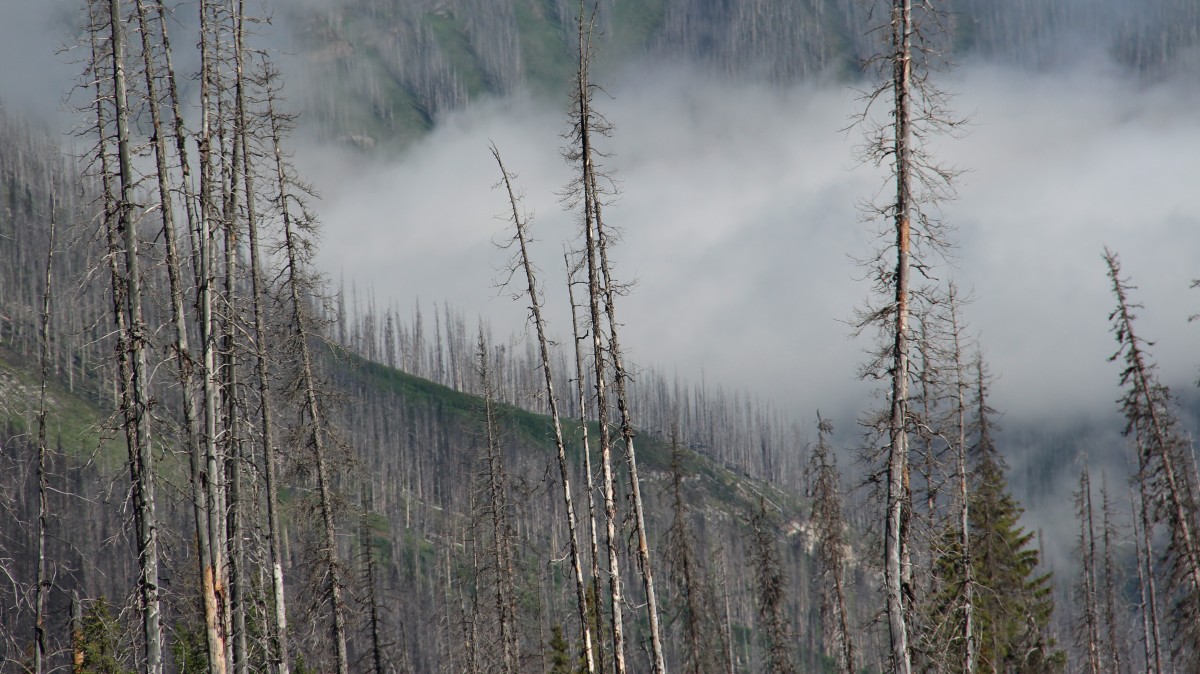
x=1115, y=643
x=302, y=334
x=43, y=582
x=964, y=501
x=584, y=122
x=1087, y=545
x=620, y=378
x=137, y=334
x=183, y=356
x=211, y=475
x=278, y=613
x=1145, y=565
x=498, y=497
x=897, y=468
x=598, y=599
x=535, y=308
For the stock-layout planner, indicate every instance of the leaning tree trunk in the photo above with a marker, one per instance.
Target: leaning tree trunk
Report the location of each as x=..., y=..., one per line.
x=620, y=379
x=535, y=308
x=581, y=398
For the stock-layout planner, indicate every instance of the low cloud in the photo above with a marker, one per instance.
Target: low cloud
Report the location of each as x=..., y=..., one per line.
x=737, y=208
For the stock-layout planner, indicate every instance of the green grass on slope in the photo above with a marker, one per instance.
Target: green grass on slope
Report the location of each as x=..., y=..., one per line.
x=75, y=423
x=724, y=488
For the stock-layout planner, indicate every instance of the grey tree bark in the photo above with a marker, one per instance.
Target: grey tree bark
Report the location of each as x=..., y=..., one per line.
x=535, y=310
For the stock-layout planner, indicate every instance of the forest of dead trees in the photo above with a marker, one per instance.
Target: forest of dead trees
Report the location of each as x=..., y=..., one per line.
x=214, y=463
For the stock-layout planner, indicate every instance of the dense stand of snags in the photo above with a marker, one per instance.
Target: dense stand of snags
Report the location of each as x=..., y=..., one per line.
x=246, y=430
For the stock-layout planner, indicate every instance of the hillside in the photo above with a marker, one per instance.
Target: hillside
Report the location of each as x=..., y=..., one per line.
x=249, y=471
x=378, y=74
x=415, y=448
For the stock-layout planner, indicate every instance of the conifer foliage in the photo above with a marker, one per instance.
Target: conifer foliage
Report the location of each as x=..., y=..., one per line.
x=1013, y=605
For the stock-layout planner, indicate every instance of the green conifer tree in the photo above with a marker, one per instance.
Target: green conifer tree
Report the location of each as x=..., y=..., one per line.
x=1013, y=605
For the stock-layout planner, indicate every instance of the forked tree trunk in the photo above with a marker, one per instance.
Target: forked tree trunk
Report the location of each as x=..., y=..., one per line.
x=584, y=121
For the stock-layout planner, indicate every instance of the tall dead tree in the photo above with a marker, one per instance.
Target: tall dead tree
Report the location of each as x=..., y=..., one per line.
x=581, y=400
x=137, y=414
x=1114, y=642
x=496, y=500
x=42, y=590
x=1148, y=586
x=296, y=252
x=180, y=347
x=1162, y=468
x=207, y=224
x=535, y=311
x=584, y=125
x=913, y=232
x=603, y=290
x=278, y=608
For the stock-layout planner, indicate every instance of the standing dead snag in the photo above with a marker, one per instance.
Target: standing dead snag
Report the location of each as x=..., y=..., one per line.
x=296, y=252
x=581, y=399
x=535, y=310
x=137, y=412
x=916, y=111
x=43, y=583
x=583, y=124
x=829, y=524
x=1090, y=629
x=496, y=499
x=1162, y=468
x=602, y=290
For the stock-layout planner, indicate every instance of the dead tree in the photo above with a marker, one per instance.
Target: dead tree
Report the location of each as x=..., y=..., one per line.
x=1090, y=629
x=42, y=580
x=278, y=608
x=916, y=110
x=207, y=224
x=1162, y=468
x=1115, y=644
x=584, y=124
x=602, y=290
x=496, y=500
x=581, y=401
x=296, y=252
x=535, y=310
x=137, y=414
x=829, y=525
